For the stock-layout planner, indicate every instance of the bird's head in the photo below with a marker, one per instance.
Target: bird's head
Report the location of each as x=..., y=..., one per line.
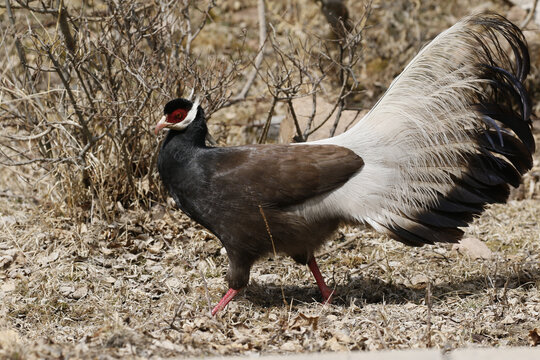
x=178, y=114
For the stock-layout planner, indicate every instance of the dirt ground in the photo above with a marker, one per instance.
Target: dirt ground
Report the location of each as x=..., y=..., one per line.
x=143, y=285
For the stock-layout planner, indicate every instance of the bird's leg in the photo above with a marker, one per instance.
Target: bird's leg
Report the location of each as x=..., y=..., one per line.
x=225, y=300
x=325, y=290
x=237, y=276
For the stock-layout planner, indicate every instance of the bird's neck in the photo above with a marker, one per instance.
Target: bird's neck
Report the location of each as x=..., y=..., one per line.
x=193, y=136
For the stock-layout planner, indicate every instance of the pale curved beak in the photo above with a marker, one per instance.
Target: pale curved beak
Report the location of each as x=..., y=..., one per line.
x=161, y=124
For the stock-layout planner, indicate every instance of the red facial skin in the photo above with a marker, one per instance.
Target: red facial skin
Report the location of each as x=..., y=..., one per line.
x=173, y=118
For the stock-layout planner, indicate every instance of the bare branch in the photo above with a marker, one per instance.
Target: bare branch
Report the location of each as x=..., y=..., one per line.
x=260, y=55
x=530, y=15
x=264, y=134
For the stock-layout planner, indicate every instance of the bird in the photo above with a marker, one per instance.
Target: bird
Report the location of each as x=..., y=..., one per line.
x=450, y=136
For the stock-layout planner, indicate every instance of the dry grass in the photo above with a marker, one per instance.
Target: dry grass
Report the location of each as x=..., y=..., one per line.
x=134, y=286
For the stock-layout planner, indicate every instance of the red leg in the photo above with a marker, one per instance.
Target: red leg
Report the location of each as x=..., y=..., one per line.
x=225, y=300
x=325, y=290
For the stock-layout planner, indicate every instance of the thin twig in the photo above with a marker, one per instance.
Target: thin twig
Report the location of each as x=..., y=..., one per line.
x=173, y=320
x=529, y=17
x=260, y=55
x=207, y=293
x=312, y=115
x=84, y=126
x=191, y=35
x=298, y=137
x=19, y=47
x=273, y=248
x=30, y=137
x=307, y=133
x=428, y=320
x=339, y=246
x=338, y=117
x=264, y=134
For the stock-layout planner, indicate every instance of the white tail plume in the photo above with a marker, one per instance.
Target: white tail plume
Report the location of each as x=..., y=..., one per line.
x=446, y=139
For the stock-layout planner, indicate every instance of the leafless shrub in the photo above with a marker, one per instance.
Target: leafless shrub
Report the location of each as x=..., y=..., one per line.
x=316, y=65
x=84, y=83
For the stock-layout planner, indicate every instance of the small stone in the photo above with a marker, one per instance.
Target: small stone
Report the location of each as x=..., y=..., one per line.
x=8, y=220
x=174, y=283
x=509, y=320
x=5, y=261
x=266, y=279
x=290, y=346
x=66, y=290
x=474, y=248
x=8, y=338
x=80, y=293
x=419, y=279
x=8, y=286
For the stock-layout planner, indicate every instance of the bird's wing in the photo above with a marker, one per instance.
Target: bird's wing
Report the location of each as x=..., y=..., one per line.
x=447, y=138
x=280, y=175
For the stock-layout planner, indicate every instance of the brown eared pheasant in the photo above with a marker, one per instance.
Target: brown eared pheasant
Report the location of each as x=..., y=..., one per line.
x=449, y=136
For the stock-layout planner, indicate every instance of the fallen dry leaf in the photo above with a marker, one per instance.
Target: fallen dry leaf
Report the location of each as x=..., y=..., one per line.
x=534, y=337
x=304, y=320
x=419, y=280
x=46, y=259
x=80, y=293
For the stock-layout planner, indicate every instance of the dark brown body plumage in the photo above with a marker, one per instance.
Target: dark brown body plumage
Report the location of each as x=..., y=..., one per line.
x=449, y=137
x=225, y=189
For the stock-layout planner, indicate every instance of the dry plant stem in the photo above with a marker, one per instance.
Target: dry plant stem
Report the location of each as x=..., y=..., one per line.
x=191, y=35
x=44, y=142
x=88, y=138
x=64, y=27
x=264, y=134
x=206, y=292
x=336, y=105
x=18, y=45
x=428, y=320
x=312, y=115
x=338, y=117
x=530, y=15
x=260, y=55
x=298, y=137
x=332, y=250
x=273, y=248
x=176, y=314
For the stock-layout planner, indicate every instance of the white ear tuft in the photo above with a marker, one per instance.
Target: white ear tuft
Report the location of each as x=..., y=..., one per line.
x=191, y=94
x=193, y=112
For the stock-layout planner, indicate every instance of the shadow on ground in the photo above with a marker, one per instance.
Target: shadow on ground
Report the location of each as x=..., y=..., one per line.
x=374, y=290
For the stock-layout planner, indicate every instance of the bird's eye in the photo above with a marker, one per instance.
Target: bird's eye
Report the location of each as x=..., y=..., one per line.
x=177, y=116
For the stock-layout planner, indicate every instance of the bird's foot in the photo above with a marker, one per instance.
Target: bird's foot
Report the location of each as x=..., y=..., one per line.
x=225, y=300
x=327, y=294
